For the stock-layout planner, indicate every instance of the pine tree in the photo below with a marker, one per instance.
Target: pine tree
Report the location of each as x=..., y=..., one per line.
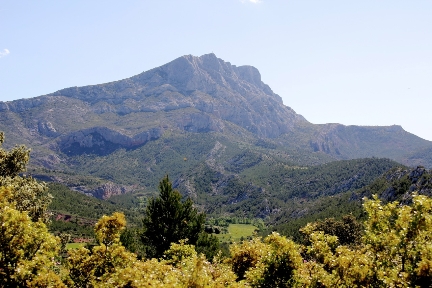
x=168, y=220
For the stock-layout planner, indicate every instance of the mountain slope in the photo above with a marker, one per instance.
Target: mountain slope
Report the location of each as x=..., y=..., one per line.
x=208, y=89
x=347, y=142
x=398, y=184
x=169, y=120
x=265, y=188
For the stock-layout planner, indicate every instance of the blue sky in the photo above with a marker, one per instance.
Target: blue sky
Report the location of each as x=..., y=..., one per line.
x=352, y=62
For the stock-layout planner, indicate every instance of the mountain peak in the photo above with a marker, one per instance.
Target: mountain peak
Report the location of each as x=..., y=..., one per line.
x=217, y=90
x=186, y=74
x=207, y=73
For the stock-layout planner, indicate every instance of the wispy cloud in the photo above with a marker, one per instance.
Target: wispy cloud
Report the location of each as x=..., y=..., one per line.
x=4, y=53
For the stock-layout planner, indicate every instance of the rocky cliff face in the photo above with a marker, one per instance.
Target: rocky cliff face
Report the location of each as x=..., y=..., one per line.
x=404, y=182
x=110, y=189
x=103, y=141
x=215, y=89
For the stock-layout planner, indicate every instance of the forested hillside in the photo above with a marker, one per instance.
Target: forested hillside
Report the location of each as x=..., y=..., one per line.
x=76, y=214
x=397, y=185
x=275, y=193
x=392, y=249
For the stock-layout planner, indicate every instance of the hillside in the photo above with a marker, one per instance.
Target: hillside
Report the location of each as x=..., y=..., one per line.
x=75, y=213
x=395, y=184
x=398, y=184
x=283, y=196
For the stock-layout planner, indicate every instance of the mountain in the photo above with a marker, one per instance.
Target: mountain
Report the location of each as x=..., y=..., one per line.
x=421, y=157
x=123, y=136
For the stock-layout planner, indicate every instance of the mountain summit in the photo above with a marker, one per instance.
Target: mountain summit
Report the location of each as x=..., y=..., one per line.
x=213, y=90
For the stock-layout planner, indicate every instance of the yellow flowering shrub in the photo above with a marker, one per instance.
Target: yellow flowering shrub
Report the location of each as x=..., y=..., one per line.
x=28, y=252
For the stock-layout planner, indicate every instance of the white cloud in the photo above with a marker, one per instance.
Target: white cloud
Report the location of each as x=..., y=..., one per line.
x=4, y=53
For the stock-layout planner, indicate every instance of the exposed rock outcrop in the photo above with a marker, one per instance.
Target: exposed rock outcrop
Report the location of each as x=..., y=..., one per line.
x=102, y=140
x=110, y=189
x=47, y=128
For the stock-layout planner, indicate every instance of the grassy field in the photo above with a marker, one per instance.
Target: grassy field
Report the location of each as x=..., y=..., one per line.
x=236, y=232
x=74, y=245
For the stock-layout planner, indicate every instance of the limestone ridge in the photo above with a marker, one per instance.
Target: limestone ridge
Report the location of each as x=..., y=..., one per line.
x=184, y=74
x=346, y=142
x=209, y=74
x=216, y=89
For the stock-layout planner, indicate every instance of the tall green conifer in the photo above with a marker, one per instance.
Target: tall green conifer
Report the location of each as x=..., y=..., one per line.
x=168, y=220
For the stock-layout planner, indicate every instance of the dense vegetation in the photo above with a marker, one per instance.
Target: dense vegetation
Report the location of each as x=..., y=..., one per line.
x=390, y=249
x=265, y=186
x=397, y=183
x=327, y=193
x=75, y=213
x=394, y=251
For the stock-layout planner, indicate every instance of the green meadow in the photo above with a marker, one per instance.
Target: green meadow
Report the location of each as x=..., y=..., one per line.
x=236, y=232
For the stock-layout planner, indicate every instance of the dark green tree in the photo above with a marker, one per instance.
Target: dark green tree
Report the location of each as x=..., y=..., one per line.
x=208, y=245
x=130, y=238
x=168, y=220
